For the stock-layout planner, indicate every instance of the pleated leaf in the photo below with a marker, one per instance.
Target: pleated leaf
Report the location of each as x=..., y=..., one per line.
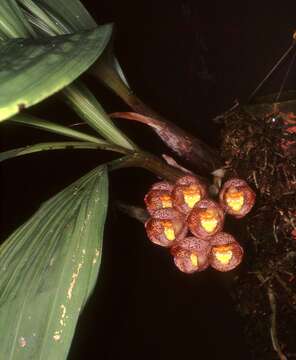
x=49, y=17
x=73, y=16
x=40, y=124
x=12, y=21
x=48, y=268
x=56, y=17
x=33, y=69
x=71, y=13
x=85, y=104
x=60, y=145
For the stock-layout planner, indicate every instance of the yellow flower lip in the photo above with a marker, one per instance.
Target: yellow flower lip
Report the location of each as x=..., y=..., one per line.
x=166, y=201
x=209, y=225
x=191, y=195
x=223, y=254
x=194, y=259
x=209, y=220
x=235, y=199
x=169, y=230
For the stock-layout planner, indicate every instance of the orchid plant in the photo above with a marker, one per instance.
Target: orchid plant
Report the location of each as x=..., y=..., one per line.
x=50, y=264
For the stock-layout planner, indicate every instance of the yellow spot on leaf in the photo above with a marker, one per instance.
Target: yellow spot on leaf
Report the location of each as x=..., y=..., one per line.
x=96, y=256
x=57, y=337
x=22, y=342
x=63, y=317
x=73, y=281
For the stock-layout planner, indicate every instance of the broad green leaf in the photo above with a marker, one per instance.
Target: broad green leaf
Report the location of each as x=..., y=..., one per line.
x=28, y=120
x=33, y=69
x=49, y=18
x=39, y=17
x=13, y=23
x=89, y=109
x=61, y=145
x=71, y=13
x=48, y=269
x=39, y=25
x=74, y=17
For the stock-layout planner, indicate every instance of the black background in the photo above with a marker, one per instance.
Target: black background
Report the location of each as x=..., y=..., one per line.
x=189, y=60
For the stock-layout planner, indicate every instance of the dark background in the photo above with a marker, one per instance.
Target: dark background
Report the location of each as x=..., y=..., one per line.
x=189, y=60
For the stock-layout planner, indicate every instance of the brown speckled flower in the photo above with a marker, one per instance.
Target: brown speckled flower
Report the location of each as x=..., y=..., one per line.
x=159, y=197
x=166, y=227
x=206, y=219
x=187, y=192
x=191, y=254
x=226, y=253
x=237, y=198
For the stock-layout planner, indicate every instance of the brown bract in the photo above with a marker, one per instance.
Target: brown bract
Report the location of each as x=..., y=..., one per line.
x=206, y=219
x=191, y=254
x=166, y=227
x=187, y=192
x=237, y=198
x=226, y=253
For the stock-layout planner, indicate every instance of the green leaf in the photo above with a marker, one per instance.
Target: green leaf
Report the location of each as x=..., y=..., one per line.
x=74, y=17
x=61, y=145
x=71, y=13
x=13, y=23
x=48, y=269
x=33, y=69
x=28, y=120
x=48, y=16
x=39, y=18
x=89, y=109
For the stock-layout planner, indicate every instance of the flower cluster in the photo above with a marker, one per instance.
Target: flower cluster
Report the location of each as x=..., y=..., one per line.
x=183, y=208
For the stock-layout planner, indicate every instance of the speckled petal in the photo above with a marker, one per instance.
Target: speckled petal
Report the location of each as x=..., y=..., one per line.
x=206, y=219
x=226, y=253
x=187, y=192
x=232, y=188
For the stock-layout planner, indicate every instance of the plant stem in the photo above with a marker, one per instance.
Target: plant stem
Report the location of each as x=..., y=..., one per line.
x=202, y=157
x=149, y=162
x=135, y=212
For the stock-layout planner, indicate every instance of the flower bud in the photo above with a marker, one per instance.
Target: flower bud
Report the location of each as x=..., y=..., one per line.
x=237, y=198
x=206, y=219
x=187, y=192
x=226, y=253
x=191, y=254
x=159, y=197
x=166, y=227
